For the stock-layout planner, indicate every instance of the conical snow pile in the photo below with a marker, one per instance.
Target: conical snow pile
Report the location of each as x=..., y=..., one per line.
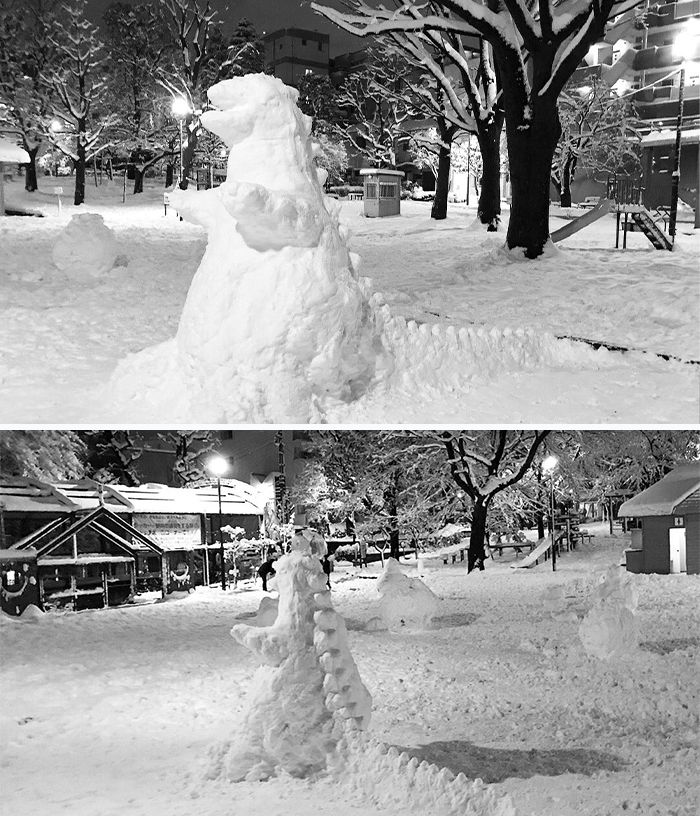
x=609, y=629
x=276, y=320
x=406, y=603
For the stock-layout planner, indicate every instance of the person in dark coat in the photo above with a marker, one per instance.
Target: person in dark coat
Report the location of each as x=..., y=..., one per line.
x=327, y=568
x=266, y=570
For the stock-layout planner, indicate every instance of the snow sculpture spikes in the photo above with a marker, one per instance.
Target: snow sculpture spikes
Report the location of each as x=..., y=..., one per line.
x=310, y=685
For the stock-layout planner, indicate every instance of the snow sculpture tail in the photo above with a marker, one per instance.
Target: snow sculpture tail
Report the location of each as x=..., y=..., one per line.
x=381, y=775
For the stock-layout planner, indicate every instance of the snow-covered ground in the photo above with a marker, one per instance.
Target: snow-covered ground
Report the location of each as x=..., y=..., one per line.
x=114, y=711
x=62, y=335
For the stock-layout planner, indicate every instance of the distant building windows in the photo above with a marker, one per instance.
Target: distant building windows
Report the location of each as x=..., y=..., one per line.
x=320, y=45
x=303, y=42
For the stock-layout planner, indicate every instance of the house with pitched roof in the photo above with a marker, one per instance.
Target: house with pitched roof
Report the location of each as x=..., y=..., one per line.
x=669, y=539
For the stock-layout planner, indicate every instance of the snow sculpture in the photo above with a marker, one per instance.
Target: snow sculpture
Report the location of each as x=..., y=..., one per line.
x=609, y=629
x=309, y=685
x=276, y=318
x=278, y=326
x=86, y=248
x=405, y=602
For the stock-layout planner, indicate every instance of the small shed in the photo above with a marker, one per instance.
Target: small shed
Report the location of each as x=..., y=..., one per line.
x=10, y=153
x=382, y=192
x=20, y=588
x=669, y=539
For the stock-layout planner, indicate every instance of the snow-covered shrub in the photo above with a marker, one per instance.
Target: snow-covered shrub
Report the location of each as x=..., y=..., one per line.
x=86, y=248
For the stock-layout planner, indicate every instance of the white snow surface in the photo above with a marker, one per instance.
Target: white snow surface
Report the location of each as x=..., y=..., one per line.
x=494, y=357
x=121, y=710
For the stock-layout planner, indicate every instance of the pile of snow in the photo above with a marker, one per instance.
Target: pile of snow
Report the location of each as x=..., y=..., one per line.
x=86, y=248
x=609, y=629
x=405, y=602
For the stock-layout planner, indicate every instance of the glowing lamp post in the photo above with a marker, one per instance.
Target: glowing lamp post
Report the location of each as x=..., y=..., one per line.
x=218, y=466
x=549, y=466
x=684, y=47
x=181, y=110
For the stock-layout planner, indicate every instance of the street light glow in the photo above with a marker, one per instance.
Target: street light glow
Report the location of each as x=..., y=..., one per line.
x=181, y=107
x=218, y=466
x=686, y=42
x=550, y=463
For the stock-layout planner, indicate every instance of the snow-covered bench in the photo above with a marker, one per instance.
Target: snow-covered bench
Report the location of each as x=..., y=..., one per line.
x=589, y=202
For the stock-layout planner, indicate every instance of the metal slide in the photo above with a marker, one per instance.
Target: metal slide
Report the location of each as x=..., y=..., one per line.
x=603, y=207
x=541, y=549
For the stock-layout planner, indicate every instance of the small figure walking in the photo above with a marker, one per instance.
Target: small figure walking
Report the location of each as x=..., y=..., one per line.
x=327, y=565
x=266, y=570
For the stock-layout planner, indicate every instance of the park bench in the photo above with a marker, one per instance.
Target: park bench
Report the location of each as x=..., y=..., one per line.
x=518, y=546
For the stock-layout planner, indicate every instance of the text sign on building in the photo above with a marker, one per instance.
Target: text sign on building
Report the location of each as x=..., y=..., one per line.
x=174, y=531
x=679, y=521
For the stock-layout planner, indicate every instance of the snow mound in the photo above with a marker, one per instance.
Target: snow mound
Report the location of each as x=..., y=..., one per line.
x=406, y=603
x=31, y=614
x=86, y=248
x=609, y=629
x=308, y=687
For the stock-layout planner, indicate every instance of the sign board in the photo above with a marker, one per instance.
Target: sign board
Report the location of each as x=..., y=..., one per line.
x=58, y=190
x=172, y=531
x=166, y=198
x=679, y=521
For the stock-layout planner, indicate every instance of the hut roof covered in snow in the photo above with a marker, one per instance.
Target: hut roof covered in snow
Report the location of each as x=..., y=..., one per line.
x=12, y=153
x=662, y=498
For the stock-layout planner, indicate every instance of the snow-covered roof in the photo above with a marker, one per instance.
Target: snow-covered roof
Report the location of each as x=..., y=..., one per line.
x=662, y=498
x=21, y=495
x=237, y=498
x=369, y=171
x=31, y=495
x=14, y=555
x=451, y=530
x=668, y=136
x=11, y=152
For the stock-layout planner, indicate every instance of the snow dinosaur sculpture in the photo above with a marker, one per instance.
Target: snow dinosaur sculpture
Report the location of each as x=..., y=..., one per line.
x=278, y=325
x=308, y=709
x=309, y=684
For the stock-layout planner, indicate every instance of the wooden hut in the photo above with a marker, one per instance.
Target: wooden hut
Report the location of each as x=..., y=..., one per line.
x=669, y=538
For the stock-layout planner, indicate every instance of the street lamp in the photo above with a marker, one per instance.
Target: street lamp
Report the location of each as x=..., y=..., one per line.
x=684, y=46
x=549, y=465
x=218, y=466
x=181, y=110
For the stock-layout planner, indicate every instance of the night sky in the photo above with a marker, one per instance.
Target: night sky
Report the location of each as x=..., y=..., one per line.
x=266, y=16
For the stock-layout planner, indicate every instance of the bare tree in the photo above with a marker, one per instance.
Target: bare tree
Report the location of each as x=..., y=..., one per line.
x=78, y=79
x=537, y=46
x=26, y=56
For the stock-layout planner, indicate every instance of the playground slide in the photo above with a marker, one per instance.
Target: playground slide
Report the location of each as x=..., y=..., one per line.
x=602, y=208
x=541, y=547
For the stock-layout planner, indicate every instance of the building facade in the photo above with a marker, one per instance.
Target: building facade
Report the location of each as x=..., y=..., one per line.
x=291, y=53
x=669, y=539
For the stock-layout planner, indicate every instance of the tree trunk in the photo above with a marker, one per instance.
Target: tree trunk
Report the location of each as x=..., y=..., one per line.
x=489, y=206
x=30, y=180
x=442, y=184
x=391, y=506
x=531, y=144
x=169, y=174
x=79, y=197
x=477, y=539
x=188, y=156
x=139, y=174
x=566, y=179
